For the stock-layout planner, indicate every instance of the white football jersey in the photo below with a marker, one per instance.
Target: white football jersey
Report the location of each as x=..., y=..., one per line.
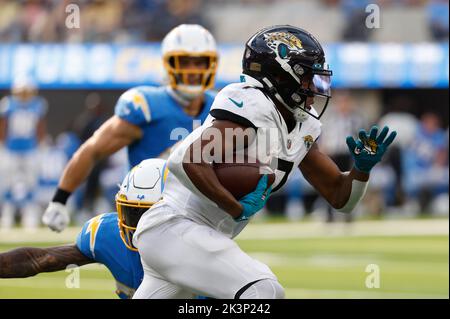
x=243, y=103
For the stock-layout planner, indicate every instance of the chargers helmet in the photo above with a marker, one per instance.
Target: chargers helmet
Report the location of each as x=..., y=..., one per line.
x=189, y=40
x=290, y=63
x=24, y=88
x=140, y=189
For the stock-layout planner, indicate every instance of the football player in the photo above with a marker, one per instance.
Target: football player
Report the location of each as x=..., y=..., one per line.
x=104, y=239
x=185, y=240
x=146, y=116
x=22, y=130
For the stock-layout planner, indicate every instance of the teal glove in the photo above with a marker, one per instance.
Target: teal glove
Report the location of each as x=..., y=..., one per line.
x=368, y=151
x=255, y=201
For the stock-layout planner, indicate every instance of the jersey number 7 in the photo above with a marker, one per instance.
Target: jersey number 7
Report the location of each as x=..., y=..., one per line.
x=284, y=166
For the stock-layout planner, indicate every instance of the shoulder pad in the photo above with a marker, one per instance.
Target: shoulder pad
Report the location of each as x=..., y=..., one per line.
x=133, y=107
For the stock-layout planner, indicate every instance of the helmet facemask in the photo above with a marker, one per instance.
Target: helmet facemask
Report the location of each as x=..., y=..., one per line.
x=191, y=77
x=129, y=213
x=313, y=94
x=305, y=94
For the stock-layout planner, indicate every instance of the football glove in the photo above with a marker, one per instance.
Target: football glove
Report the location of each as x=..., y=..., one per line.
x=369, y=150
x=255, y=201
x=56, y=216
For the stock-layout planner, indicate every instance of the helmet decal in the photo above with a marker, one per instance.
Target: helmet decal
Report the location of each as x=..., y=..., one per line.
x=283, y=43
x=140, y=189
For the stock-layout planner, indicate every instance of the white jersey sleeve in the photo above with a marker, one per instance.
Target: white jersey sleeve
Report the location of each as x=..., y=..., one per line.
x=243, y=104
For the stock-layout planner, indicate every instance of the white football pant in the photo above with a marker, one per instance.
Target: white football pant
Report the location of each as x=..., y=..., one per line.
x=182, y=258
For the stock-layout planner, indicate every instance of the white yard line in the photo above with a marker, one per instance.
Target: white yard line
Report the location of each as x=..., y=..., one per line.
x=356, y=229
x=271, y=231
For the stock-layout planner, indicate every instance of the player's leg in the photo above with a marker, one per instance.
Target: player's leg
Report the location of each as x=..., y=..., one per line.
x=156, y=288
x=204, y=261
x=261, y=289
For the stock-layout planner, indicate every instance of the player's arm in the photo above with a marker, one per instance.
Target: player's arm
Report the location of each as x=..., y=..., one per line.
x=28, y=261
x=343, y=190
x=201, y=172
x=193, y=168
x=113, y=135
x=322, y=173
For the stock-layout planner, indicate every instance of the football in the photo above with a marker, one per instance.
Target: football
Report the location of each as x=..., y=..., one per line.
x=241, y=179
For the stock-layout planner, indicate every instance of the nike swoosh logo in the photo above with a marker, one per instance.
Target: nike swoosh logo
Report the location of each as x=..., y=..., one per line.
x=236, y=103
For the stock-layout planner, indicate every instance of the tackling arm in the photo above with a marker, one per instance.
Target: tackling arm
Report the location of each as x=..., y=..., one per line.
x=335, y=186
x=28, y=261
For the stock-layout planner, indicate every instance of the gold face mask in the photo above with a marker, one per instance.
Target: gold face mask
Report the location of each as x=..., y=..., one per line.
x=129, y=213
x=191, y=73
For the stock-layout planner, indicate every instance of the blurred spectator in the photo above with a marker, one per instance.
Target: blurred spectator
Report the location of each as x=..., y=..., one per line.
x=22, y=130
x=140, y=18
x=425, y=163
x=438, y=19
x=9, y=26
x=34, y=16
x=170, y=13
x=101, y=20
x=355, y=15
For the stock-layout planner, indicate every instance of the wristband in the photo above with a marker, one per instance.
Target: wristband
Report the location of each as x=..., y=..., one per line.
x=358, y=190
x=61, y=196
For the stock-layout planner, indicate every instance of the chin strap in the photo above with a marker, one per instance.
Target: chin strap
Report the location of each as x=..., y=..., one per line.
x=299, y=115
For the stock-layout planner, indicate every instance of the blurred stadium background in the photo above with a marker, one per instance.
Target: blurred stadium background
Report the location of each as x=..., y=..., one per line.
x=394, y=74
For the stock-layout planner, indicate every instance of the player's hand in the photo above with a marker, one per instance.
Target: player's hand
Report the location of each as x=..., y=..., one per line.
x=56, y=217
x=368, y=150
x=255, y=201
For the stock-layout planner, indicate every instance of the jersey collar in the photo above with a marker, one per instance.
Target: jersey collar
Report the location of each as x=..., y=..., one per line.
x=250, y=81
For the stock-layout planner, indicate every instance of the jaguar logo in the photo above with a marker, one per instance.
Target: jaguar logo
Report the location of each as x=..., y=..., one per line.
x=284, y=43
x=371, y=146
x=308, y=140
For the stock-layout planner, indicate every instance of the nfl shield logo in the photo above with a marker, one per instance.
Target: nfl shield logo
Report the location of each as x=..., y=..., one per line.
x=289, y=144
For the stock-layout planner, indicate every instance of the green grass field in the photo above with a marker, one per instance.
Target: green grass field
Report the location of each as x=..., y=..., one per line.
x=311, y=260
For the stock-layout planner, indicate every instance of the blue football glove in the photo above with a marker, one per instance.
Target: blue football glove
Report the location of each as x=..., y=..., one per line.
x=255, y=201
x=369, y=150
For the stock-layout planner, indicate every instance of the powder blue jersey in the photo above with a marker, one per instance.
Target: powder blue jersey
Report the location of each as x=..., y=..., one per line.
x=22, y=120
x=100, y=240
x=161, y=118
